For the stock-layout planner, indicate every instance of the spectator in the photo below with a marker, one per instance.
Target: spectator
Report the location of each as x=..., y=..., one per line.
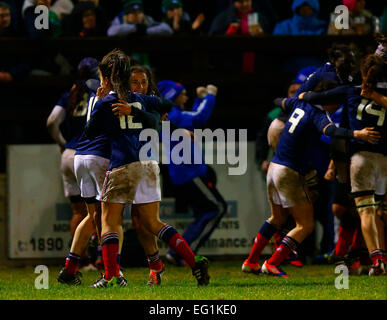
x=133, y=21
x=360, y=20
x=241, y=18
x=10, y=68
x=304, y=21
x=15, y=14
x=6, y=28
x=55, y=27
x=178, y=19
x=235, y=20
x=86, y=20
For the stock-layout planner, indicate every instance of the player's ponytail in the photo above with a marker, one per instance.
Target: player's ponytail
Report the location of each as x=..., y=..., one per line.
x=372, y=69
x=116, y=67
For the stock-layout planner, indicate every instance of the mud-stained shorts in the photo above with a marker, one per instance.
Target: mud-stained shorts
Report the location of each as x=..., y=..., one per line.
x=137, y=182
x=286, y=187
x=368, y=172
x=90, y=171
x=70, y=184
x=274, y=132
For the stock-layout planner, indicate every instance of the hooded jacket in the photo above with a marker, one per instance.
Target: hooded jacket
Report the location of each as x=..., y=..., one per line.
x=299, y=25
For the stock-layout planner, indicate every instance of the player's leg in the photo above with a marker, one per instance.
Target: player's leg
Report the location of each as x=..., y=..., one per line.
x=148, y=240
x=288, y=188
x=169, y=235
x=364, y=175
x=262, y=239
x=209, y=208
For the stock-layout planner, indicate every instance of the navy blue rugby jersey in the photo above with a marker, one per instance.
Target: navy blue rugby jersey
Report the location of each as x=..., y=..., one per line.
x=363, y=113
x=99, y=145
x=123, y=133
x=73, y=125
x=302, y=131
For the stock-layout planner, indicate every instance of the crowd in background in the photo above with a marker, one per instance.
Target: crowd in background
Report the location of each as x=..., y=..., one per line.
x=98, y=18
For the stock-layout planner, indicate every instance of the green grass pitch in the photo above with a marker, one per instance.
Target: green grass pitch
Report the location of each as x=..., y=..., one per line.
x=315, y=282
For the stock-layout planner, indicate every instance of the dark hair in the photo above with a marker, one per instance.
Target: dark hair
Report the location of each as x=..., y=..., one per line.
x=380, y=38
x=372, y=70
x=338, y=50
x=325, y=85
x=79, y=88
x=152, y=88
x=116, y=67
x=5, y=5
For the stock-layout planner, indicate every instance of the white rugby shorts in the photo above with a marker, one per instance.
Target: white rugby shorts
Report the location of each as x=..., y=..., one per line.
x=286, y=187
x=368, y=172
x=90, y=171
x=137, y=182
x=70, y=185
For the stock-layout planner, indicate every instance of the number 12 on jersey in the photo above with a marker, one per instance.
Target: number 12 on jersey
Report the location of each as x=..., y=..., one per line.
x=126, y=122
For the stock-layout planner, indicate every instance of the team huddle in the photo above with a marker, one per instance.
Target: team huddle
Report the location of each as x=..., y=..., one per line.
x=359, y=163
x=102, y=169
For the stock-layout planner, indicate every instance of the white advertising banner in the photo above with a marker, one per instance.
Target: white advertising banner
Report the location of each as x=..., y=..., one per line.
x=39, y=214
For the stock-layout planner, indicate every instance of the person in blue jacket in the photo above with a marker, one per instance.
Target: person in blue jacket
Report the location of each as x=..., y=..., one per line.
x=195, y=183
x=304, y=21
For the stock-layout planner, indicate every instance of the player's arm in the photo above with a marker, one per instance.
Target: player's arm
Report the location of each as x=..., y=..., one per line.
x=366, y=134
x=56, y=117
x=286, y=104
x=95, y=123
x=149, y=119
x=197, y=118
x=375, y=96
x=336, y=95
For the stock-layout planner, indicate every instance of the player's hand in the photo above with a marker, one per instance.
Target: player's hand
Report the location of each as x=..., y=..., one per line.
x=201, y=92
x=301, y=95
x=211, y=89
x=366, y=93
x=330, y=174
x=121, y=109
x=265, y=166
x=198, y=21
x=102, y=92
x=368, y=135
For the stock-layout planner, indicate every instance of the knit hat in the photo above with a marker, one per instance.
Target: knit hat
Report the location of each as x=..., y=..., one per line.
x=171, y=4
x=169, y=89
x=92, y=64
x=132, y=6
x=304, y=73
x=350, y=4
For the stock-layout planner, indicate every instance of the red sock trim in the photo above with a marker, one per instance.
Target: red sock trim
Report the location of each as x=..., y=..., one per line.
x=279, y=255
x=260, y=243
x=344, y=241
x=109, y=255
x=178, y=244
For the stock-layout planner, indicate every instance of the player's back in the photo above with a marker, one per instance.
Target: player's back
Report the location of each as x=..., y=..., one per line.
x=99, y=145
x=362, y=113
x=302, y=130
x=123, y=132
x=75, y=120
